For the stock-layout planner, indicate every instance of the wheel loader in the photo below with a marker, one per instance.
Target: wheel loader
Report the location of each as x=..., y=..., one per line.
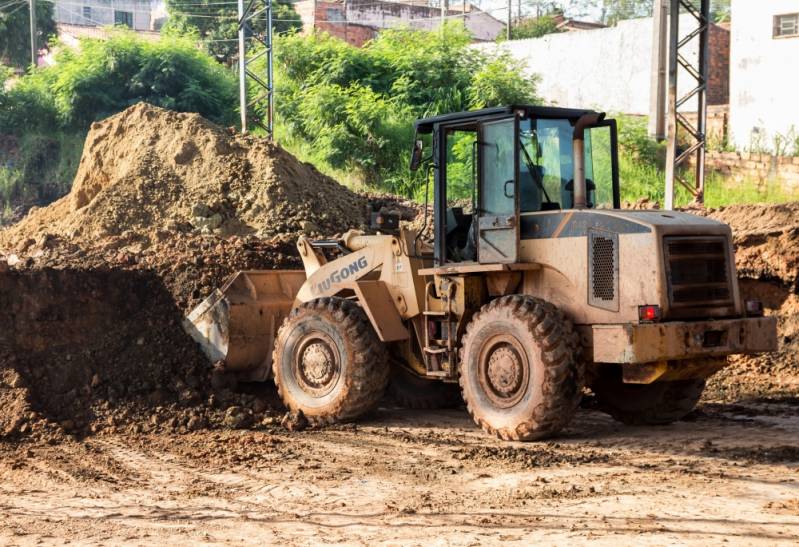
x=531, y=285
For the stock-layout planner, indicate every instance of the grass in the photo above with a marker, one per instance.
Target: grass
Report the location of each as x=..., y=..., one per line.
x=42, y=172
x=641, y=180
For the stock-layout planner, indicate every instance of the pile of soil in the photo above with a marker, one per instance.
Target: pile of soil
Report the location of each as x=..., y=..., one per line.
x=766, y=239
x=87, y=352
x=154, y=172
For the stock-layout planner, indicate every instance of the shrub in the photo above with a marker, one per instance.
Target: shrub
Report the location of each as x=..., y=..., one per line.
x=355, y=107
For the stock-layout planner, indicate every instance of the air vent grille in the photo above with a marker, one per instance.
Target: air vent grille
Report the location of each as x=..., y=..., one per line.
x=603, y=261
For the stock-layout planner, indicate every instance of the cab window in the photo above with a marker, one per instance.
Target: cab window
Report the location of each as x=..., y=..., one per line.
x=546, y=165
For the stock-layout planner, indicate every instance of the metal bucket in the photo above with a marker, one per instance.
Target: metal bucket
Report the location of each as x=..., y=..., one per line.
x=237, y=324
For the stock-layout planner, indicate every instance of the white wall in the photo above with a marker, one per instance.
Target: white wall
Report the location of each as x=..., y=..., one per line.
x=764, y=74
x=608, y=69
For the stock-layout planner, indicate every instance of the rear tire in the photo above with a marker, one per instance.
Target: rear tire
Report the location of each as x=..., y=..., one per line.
x=658, y=403
x=328, y=362
x=521, y=374
x=410, y=391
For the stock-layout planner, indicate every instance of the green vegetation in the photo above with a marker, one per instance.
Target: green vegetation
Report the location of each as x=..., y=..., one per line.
x=533, y=27
x=215, y=24
x=352, y=110
x=641, y=174
x=15, y=36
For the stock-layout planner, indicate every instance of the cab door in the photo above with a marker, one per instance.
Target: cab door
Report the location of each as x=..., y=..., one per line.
x=498, y=195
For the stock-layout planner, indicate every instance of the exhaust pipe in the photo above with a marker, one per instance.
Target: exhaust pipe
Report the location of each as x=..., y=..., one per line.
x=578, y=148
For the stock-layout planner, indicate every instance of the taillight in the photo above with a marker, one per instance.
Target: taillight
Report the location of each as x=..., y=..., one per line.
x=649, y=313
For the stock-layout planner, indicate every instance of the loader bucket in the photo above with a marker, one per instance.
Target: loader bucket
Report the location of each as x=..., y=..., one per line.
x=237, y=324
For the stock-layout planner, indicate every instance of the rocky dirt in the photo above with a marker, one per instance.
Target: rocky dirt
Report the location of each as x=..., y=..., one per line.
x=153, y=172
x=729, y=475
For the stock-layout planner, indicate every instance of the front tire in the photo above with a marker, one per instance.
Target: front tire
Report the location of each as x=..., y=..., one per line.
x=328, y=362
x=521, y=374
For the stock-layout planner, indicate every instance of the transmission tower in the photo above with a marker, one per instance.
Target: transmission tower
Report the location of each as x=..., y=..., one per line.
x=248, y=14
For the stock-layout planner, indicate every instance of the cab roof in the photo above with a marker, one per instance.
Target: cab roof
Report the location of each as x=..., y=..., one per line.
x=425, y=125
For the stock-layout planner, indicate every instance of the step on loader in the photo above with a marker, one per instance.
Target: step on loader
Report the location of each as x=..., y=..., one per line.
x=532, y=285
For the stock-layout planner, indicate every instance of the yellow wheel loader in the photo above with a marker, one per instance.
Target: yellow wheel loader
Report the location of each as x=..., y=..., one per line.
x=532, y=285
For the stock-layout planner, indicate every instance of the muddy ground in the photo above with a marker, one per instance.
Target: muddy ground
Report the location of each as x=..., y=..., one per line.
x=728, y=475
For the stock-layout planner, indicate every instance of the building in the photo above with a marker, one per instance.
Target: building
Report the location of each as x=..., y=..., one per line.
x=139, y=15
x=358, y=21
x=610, y=68
x=764, y=56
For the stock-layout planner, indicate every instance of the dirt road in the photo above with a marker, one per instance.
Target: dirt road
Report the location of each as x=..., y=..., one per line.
x=405, y=477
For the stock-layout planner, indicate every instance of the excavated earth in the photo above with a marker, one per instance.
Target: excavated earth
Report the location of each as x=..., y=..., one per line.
x=115, y=428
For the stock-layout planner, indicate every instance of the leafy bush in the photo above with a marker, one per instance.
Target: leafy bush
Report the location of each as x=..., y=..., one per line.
x=534, y=27
x=27, y=107
x=355, y=107
x=106, y=76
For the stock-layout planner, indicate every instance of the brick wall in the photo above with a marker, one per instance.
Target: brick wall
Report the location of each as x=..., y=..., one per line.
x=762, y=168
x=718, y=89
x=330, y=17
x=718, y=119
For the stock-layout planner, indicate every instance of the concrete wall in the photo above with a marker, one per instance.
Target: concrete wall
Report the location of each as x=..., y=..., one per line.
x=609, y=68
x=763, y=75
x=71, y=12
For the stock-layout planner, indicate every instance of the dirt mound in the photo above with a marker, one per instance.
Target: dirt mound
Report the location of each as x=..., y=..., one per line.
x=84, y=352
x=151, y=171
x=766, y=239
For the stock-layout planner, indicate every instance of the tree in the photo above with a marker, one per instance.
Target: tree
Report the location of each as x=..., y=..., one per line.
x=15, y=36
x=534, y=27
x=103, y=77
x=355, y=107
x=216, y=23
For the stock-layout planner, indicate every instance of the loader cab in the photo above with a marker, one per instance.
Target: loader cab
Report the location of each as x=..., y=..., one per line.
x=493, y=169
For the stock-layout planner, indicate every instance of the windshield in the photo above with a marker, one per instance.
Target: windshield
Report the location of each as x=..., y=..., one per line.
x=546, y=165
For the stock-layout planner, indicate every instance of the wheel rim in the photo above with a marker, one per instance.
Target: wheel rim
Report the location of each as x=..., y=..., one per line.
x=316, y=364
x=504, y=371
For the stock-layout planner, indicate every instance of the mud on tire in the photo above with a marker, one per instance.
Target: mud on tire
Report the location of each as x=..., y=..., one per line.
x=328, y=362
x=521, y=371
x=658, y=403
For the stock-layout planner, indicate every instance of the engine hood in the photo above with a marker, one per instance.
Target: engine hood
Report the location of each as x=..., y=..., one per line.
x=577, y=223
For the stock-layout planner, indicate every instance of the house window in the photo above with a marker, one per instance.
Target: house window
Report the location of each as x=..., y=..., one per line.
x=123, y=18
x=786, y=25
x=87, y=14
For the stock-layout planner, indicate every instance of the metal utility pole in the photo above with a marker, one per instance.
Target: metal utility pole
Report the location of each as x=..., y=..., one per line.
x=695, y=145
x=34, y=56
x=247, y=14
x=657, y=93
x=510, y=15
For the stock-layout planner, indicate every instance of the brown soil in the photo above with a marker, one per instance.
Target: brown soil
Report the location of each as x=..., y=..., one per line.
x=153, y=172
x=766, y=241
x=416, y=478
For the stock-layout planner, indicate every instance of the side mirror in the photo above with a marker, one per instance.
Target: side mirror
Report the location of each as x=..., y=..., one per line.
x=416, y=155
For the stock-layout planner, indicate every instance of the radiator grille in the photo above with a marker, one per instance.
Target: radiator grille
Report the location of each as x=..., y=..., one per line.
x=603, y=260
x=698, y=273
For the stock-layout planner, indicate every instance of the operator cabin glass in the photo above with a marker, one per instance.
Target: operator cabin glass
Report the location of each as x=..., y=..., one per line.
x=546, y=166
x=497, y=168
